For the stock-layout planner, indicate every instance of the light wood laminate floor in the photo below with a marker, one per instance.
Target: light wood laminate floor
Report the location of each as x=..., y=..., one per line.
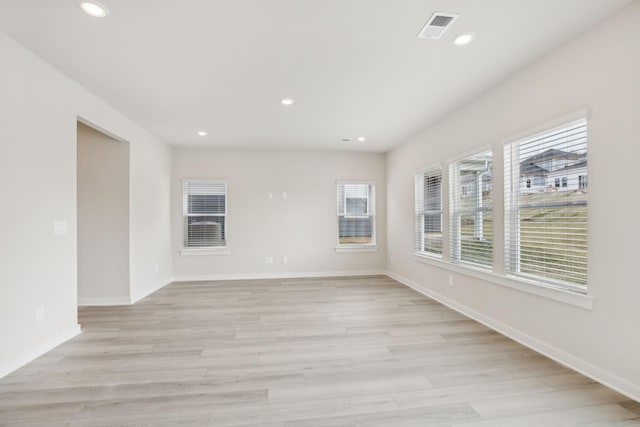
x=363, y=351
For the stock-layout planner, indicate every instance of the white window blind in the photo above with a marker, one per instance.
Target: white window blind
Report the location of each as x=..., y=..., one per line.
x=546, y=206
x=356, y=213
x=471, y=213
x=428, y=212
x=204, y=211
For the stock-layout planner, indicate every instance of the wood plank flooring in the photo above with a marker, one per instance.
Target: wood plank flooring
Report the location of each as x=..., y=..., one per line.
x=362, y=351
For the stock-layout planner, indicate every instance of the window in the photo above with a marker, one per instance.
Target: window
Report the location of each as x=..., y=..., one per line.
x=582, y=182
x=428, y=212
x=546, y=229
x=564, y=181
x=204, y=212
x=356, y=214
x=471, y=214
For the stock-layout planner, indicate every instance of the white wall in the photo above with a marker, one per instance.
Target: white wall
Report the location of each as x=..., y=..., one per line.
x=39, y=108
x=600, y=71
x=103, y=218
x=301, y=227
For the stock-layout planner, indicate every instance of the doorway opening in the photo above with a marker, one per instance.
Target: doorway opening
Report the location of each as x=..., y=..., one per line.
x=103, y=218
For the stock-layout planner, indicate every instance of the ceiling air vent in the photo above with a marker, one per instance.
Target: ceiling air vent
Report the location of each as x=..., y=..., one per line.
x=437, y=25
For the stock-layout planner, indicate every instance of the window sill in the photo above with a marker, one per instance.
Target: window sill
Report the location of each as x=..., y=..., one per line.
x=204, y=251
x=356, y=248
x=518, y=283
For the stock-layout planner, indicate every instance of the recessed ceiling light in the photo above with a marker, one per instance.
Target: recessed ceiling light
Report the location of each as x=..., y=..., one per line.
x=362, y=139
x=287, y=101
x=94, y=8
x=343, y=140
x=464, y=39
x=202, y=133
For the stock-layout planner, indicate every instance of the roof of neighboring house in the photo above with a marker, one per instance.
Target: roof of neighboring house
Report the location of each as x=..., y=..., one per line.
x=530, y=166
x=531, y=169
x=578, y=165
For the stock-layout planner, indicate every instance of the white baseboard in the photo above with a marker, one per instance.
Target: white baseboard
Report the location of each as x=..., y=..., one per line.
x=602, y=376
x=104, y=301
x=121, y=300
x=294, y=275
x=31, y=355
x=138, y=296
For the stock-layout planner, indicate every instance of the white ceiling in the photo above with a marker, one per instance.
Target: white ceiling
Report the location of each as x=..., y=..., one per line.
x=354, y=67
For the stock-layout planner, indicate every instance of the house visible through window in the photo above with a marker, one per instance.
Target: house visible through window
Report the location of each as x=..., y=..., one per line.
x=204, y=211
x=546, y=223
x=471, y=213
x=428, y=212
x=356, y=214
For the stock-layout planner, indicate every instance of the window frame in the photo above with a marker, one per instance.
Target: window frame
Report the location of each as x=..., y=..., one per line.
x=204, y=250
x=455, y=211
x=370, y=213
x=420, y=176
x=512, y=190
